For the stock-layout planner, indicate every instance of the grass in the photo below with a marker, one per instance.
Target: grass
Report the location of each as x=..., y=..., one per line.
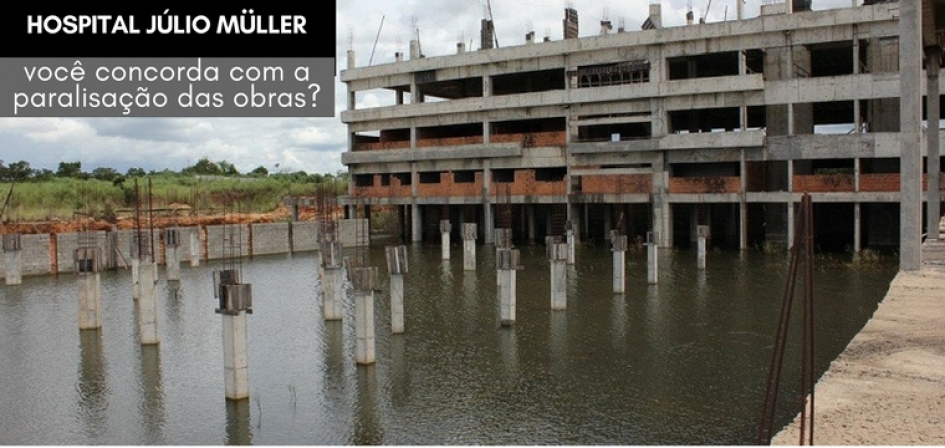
x=64, y=198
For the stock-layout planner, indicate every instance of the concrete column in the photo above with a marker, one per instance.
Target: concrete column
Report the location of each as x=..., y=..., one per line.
x=332, y=281
x=619, y=249
x=652, y=258
x=235, y=356
x=12, y=247
x=351, y=60
x=703, y=235
x=507, y=263
x=362, y=279
x=332, y=293
x=530, y=218
x=445, y=229
x=147, y=304
x=933, y=157
x=195, y=243
x=397, y=303
x=396, y=267
x=135, y=279
x=416, y=222
x=469, y=247
x=790, y=225
x=90, y=301
x=488, y=220
x=607, y=222
x=569, y=238
x=910, y=116
x=857, y=228
x=557, y=259
x=172, y=263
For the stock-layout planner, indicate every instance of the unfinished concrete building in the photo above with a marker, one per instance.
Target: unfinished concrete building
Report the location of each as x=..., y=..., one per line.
x=723, y=124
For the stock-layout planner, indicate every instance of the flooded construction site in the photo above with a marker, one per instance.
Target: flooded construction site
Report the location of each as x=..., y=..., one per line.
x=682, y=361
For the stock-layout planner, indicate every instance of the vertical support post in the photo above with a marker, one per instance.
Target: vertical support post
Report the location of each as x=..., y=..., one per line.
x=530, y=218
x=12, y=246
x=857, y=229
x=557, y=259
x=619, y=249
x=702, y=236
x=332, y=281
x=195, y=245
x=171, y=254
x=396, y=267
x=87, y=266
x=933, y=157
x=235, y=356
x=362, y=279
x=469, y=246
x=147, y=304
x=507, y=263
x=652, y=257
x=569, y=239
x=236, y=301
x=416, y=222
x=910, y=116
x=445, y=229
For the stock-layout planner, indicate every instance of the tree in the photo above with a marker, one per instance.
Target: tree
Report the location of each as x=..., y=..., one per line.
x=260, y=171
x=69, y=169
x=135, y=172
x=16, y=171
x=227, y=168
x=106, y=174
x=203, y=166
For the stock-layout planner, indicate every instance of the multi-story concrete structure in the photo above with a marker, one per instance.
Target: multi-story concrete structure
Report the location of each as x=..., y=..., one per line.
x=724, y=124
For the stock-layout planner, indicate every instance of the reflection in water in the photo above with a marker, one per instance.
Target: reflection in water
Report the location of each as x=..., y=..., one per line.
x=400, y=372
x=92, y=387
x=446, y=272
x=508, y=347
x=366, y=428
x=238, y=428
x=559, y=338
x=619, y=317
x=152, y=391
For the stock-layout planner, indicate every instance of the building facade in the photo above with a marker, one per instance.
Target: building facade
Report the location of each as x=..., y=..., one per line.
x=724, y=124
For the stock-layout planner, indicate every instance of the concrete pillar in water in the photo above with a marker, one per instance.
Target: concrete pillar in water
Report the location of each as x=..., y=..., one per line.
x=503, y=241
x=652, y=257
x=135, y=279
x=396, y=267
x=195, y=246
x=11, y=252
x=619, y=248
x=332, y=281
x=508, y=263
x=701, y=237
x=445, y=229
x=569, y=236
x=235, y=302
x=362, y=280
x=530, y=218
x=88, y=263
x=416, y=222
x=469, y=247
x=147, y=304
x=557, y=258
x=172, y=254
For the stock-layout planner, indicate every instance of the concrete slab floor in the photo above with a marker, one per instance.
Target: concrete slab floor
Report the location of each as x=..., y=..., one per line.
x=888, y=386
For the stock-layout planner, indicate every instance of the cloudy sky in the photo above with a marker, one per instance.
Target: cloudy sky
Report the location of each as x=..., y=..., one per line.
x=315, y=144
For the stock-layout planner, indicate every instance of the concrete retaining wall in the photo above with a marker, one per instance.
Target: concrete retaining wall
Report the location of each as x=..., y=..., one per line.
x=226, y=239
x=47, y=253
x=349, y=230
x=270, y=238
x=304, y=236
x=66, y=244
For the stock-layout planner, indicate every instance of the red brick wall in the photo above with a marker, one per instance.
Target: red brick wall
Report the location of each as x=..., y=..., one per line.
x=394, y=190
x=531, y=139
x=723, y=184
x=622, y=183
x=823, y=183
x=885, y=182
x=447, y=187
x=525, y=184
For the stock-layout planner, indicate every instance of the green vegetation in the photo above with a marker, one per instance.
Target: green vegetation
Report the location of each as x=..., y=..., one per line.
x=104, y=192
